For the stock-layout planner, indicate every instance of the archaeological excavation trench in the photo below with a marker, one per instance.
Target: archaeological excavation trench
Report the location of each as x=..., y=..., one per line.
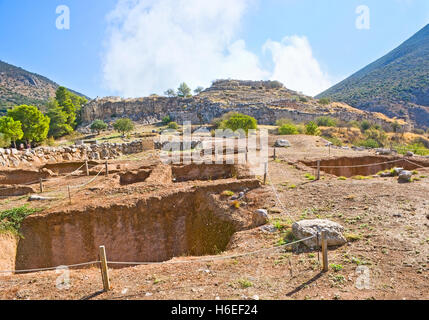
x=181, y=220
x=364, y=166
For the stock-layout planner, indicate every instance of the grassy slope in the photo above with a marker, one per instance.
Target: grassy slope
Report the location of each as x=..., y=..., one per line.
x=394, y=84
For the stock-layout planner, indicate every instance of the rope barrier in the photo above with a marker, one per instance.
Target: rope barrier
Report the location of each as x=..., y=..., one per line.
x=166, y=262
x=212, y=258
x=278, y=197
x=50, y=268
x=418, y=165
x=359, y=166
x=87, y=183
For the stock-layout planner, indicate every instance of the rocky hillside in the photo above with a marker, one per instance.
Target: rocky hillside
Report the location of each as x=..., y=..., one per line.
x=267, y=101
x=395, y=85
x=18, y=86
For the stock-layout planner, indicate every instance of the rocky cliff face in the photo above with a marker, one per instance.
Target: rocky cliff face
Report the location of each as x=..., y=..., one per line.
x=267, y=101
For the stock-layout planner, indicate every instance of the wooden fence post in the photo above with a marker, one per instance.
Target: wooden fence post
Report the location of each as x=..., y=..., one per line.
x=265, y=172
x=325, y=251
x=318, y=169
x=275, y=155
x=104, y=270
x=86, y=167
x=41, y=185
x=68, y=188
x=107, y=169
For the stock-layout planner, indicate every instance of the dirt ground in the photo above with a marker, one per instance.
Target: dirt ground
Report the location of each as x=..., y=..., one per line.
x=387, y=225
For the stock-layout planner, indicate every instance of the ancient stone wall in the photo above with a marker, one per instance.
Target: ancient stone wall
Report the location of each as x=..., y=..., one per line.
x=34, y=157
x=203, y=111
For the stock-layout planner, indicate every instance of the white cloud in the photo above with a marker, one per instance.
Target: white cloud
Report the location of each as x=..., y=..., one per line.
x=155, y=45
x=295, y=65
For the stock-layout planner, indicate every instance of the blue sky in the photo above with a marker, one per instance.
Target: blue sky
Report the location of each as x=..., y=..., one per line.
x=135, y=48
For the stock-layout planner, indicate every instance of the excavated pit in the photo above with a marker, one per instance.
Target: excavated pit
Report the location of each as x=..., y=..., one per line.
x=68, y=167
x=364, y=166
x=203, y=172
x=178, y=220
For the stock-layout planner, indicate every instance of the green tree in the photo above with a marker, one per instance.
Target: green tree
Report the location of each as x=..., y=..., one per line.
x=240, y=121
x=71, y=104
x=312, y=129
x=35, y=125
x=98, y=126
x=184, y=91
x=170, y=93
x=58, y=126
x=11, y=129
x=123, y=125
x=198, y=90
x=61, y=95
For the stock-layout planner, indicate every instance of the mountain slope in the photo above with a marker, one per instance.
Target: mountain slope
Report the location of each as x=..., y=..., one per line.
x=396, y=84
x=18, y=86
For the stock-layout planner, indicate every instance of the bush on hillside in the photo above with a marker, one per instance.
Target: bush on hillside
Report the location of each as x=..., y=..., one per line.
x=312, y=129
x=326, y=122
x=288, y=129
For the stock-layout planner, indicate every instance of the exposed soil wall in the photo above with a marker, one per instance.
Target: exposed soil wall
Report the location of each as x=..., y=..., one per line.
x=21, y=176
x=136, y=176
x=152, y=229
x=14, y=191
x=203, y=172
x=366, y=170
x=68, y=167
x=8, y=244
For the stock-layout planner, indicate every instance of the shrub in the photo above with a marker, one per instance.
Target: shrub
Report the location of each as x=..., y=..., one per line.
x=324, y=101
x=312, y=129
x=240, y=121
x=369, y=143
x=365, y=125
x=10, y=220
x=326, y=122
x=166, y=120
x=288, y=129
x=173, y=125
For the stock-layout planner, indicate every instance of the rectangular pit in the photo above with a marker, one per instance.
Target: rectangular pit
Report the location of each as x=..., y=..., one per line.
x=364, y=166
x=157, y=228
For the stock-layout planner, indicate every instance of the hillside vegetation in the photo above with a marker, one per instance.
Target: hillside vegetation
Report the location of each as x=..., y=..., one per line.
x=396, y=84
x=18, y=87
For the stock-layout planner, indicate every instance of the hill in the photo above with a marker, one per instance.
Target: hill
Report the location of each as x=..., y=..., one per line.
x=267, y=101
x=396, y=84
x=18, y=86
